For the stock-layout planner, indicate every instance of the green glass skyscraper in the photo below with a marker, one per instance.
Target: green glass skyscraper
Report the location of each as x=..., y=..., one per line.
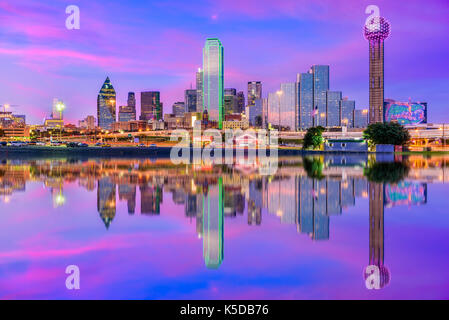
x=213, y=79
x=106, y=105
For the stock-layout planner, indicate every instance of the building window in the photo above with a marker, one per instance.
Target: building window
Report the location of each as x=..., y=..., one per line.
x=343, y=145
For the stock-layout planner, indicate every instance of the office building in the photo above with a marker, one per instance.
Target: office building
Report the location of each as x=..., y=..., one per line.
x=190, y=100
x=230, y=101
x=254, y=92
x=320, y=88
x=213, y=80
x=126, y=113
x=151, y=106
x=333, y=109
x=305, y=105
x=179, y=108
x=347, y=108
x=106, y=106
x=199, y=91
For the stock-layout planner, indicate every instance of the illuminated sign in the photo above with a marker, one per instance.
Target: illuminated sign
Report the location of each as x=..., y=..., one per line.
x=405, y=193
x=405, y=113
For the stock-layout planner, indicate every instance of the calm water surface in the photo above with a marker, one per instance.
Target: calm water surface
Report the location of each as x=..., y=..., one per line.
x=332, y=227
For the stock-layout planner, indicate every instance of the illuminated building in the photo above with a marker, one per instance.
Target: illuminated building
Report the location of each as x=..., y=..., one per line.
x=230, y=101
x=126, y=113
x=132, y=102
x=320, y=88
x=347, y=108
x=360, y=118
x=376, y=31
x=240, y=102
x=254, y=92
x=150, y=105
x=199, y=91
x=288, y=106
x=106, y=106
x=179, y=108
x=87, y=123
x=213, y=79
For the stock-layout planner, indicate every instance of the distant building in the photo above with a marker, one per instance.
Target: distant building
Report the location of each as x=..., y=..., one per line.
x=288, y=106
x=126, y=113
x=132, y=101
x=333, y=108
x=360, y=118
x=347, y=113
x=150, y=106
x=178, y=108
x=213, y=80
x=230, y=101
x=320, y=88
x=236, y=124
x=199, y=91
x=346, y=145
x=106, y=105
x=87, y=123
x=255, y=113
x=240, y=102
x=190, y=101
x=254, y=92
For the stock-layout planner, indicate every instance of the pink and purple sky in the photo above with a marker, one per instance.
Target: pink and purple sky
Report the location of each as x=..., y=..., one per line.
x=157, y=45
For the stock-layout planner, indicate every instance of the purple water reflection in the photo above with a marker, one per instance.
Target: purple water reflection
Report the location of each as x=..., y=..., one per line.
x=144, y=232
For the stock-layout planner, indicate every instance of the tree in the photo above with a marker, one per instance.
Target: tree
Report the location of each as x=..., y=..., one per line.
x=314, y=167
x=313, y=137
x=386, y=172
x=386, y=133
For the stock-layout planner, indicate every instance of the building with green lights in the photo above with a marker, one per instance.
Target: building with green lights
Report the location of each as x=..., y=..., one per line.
x=213, y=78
x=106, y=106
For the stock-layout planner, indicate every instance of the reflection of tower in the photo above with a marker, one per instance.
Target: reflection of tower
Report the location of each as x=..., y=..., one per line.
x=376, y=274
x=213, y=219
x=106, y=202
x=376, y=31
x=128, y=192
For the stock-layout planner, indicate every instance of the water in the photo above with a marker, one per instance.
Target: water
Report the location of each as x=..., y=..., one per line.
x=146, y=229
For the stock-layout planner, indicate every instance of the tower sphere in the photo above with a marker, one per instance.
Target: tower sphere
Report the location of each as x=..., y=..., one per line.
x=378, y=29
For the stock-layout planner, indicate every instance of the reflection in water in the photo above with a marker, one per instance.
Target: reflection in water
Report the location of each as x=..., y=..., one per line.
x=306, y=193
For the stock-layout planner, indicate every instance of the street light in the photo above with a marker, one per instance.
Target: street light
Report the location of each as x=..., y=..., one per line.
x=60, y=107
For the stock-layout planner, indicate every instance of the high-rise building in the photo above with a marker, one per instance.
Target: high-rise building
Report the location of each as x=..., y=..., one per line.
x=288, y=96
x=254, y=92
x=376, y=31
x=132, y=101
x=213, y=80
x=179, y=108
x=230, y=101
x=305, y=105
x=255, y=113
x=151, y=105
x=106, y=106
x=361, y=118
x=106, y=200
x=126, y=113
x=199, y=91
x=240, y=102
x=87, y=123
x=320, y=87
x=190, y=100
x=333, y=109
x=347, y=108
x=273, y=114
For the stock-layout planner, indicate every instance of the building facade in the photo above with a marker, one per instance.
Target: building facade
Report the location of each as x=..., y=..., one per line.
x=106, y=106
x=347, y=108
x=320, y=88
x=305, y=105
x=333, y=108
x=199, y=90
x=190, y=100
x=151, y=106
x=126, y=113
x=213, y=80
x=179, y=108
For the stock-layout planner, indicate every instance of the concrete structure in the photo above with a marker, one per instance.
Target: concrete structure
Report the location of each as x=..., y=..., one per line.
x=345, y=145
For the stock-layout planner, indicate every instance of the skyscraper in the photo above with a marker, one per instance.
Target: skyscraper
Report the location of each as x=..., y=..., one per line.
x=320, y=87
x=126, y=113
x=213, y=79
x=132, y=101
x=106, y=200
x=199, y=91
x=288, y=106
x=240, y=102
x=106, y=106
x=190, y=100
x=376, y=31
x=254, y=92
x=347, y=108
x=306, y=106
x=151, y=106
x=333, y=108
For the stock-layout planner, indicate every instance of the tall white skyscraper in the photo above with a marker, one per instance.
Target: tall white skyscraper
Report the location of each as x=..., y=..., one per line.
x=213, y=79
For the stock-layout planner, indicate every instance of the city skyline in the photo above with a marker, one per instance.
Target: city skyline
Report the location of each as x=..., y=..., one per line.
x=33, y=40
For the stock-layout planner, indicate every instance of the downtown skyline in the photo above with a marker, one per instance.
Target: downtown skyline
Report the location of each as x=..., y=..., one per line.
x=40, y=56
